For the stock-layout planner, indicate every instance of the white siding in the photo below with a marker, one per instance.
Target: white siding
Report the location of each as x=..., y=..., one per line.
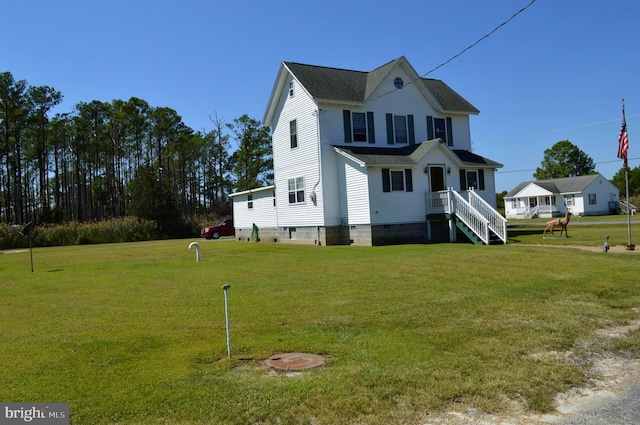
x=357, y=199
x=303, y=161
x=604, y=191
x=407, y=101
x=397, y=206
x=263, y=213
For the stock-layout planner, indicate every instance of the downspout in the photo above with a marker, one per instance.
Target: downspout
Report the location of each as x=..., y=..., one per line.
x=313, y=191
x=314, y=197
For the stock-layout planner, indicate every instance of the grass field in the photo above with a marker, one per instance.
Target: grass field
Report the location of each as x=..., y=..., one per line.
x=135, y=333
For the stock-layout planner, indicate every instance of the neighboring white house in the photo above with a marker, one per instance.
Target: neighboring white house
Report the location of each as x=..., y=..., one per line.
x=582, y=195
x=370, y=158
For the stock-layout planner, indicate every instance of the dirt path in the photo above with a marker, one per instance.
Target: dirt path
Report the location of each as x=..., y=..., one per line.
x=613, y=249
x=616, y=376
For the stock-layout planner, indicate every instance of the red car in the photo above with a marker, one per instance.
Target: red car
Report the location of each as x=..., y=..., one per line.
x=223, y=228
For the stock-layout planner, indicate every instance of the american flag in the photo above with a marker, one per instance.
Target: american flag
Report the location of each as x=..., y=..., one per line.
x=623, y=141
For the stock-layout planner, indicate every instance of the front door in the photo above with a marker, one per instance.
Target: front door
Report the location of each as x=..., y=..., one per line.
x=436, y=178
x=437, y=229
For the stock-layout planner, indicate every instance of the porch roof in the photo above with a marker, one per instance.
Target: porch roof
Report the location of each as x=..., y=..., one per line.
x=412, y=154
x=560, y=186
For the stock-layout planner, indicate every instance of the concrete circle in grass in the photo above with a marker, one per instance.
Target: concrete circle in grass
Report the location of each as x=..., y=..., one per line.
x=294, y=361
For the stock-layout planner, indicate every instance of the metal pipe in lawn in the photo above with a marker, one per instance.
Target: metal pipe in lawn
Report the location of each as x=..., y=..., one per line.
x=197, y=246
x=225, y=288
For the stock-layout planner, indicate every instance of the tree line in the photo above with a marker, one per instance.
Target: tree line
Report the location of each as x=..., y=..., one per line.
x=121, y=158
x=564, y=159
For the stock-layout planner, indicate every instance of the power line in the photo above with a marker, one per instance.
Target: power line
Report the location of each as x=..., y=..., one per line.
x=465, y=49
x=480, y=39
x=540, y=133
x=534, y=169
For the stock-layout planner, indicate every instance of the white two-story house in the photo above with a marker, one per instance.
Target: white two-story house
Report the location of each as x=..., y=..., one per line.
x=370, y=158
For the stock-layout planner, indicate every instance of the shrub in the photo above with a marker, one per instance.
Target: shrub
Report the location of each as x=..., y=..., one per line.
x=108, y=231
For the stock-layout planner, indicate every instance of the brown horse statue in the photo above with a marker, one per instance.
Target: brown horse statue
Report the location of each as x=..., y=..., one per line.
x=558, y=222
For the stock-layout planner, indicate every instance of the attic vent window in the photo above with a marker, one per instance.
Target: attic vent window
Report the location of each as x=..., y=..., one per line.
x=398, y=83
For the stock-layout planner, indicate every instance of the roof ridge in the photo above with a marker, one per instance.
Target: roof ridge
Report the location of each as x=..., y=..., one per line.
x=325, y=67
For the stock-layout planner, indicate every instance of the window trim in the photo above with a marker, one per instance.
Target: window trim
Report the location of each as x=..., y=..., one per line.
x=293, y=133
x=464, y=179
x=569, y=200
x=396, y=128
x=474, y=175
x=397, y=180
x=392, y=137
x=298, y=191
x=363, y=127
x=388, y=180
x=440, y=133
x=369, y=126
x=448, y=129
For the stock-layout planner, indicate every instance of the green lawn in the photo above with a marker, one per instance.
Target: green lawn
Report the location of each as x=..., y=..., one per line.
x=135, y=333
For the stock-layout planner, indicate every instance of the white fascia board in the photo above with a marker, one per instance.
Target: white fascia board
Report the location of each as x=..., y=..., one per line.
x=250, y=191
x=275, y=94
x=532, y=189
x=339, y=103
x=352, y=158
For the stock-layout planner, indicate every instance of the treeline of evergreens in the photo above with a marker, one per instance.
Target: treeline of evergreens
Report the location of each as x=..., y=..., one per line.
x=124, y=158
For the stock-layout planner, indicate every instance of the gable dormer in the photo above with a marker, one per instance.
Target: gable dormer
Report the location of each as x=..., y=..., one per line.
x=389, y=106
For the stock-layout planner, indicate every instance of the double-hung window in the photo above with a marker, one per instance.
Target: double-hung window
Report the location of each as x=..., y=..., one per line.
x=296, y=190
x=440, y=128
x=472, y=179
x=400, y=129
x=397, y=180
x=358, y=127
x=293, y=133
x=359, y=124
x=592, y=199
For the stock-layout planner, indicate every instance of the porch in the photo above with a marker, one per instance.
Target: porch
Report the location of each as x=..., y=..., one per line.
x=474, y=217
x=532, y=207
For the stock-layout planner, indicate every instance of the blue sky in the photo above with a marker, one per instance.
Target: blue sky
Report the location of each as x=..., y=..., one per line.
x=558, y=71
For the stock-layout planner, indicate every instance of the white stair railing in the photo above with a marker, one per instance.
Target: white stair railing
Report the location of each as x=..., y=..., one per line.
x=497, y=223
x=531, y=212
x=469, y=216
x=438, y=202
x=626, y=208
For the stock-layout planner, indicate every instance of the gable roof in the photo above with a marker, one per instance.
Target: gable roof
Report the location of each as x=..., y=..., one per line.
x=558, y=186
x=349, y=86
x=411, y=155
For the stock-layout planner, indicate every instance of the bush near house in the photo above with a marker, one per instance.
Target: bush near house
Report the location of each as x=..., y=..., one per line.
x=129, y=229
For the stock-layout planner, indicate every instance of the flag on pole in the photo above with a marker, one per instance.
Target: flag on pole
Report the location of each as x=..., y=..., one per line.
x=623, y=141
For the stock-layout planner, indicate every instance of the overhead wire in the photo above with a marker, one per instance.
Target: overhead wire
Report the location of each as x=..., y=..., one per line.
x=564, y=129
x=478, y=41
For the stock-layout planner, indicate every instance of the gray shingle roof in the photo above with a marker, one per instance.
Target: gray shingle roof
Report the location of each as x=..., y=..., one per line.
x=470, y=158
x=411, y=154
x=357, y=86
x=447, y=97
x=562, y=185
